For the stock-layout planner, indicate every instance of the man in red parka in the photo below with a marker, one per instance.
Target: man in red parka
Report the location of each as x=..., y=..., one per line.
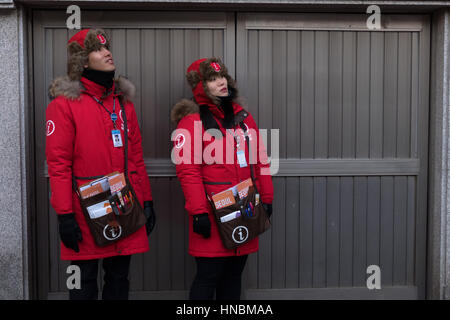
x=215, y=106
x=80, y=122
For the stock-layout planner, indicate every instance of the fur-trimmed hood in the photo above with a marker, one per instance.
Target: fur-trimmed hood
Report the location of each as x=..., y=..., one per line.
x=182, y=109
x=185, y=107
x=71, y=89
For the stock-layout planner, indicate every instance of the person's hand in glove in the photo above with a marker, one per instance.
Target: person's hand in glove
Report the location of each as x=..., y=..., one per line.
x=150, y=215
x=69, y=231
x=268, y=208
x=202, y=225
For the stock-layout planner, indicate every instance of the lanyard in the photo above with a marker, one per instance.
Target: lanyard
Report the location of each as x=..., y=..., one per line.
x=113, y=114
x=236, y=137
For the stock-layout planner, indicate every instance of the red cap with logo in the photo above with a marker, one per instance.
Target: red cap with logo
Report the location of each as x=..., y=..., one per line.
x=80, y=45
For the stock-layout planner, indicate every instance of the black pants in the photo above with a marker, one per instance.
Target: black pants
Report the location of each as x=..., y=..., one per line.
x=220, y=275
x=116, y=285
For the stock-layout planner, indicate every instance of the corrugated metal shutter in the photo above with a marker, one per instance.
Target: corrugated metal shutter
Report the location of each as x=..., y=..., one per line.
x=352, y=109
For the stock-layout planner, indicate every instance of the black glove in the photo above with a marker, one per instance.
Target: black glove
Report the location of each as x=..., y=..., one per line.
x=69, y=231
x=268, y=208
x=150, y=215
x=202, y=225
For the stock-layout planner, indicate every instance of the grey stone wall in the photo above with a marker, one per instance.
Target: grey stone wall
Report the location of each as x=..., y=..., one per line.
x=12, y=239
x=439, y=185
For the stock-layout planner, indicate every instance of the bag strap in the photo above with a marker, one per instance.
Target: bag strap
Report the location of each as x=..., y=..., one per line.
x=252, y=168
x=125, y=133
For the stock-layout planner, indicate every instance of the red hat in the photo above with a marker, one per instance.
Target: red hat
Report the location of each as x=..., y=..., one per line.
x=204, y=70
x=195, y=67
x=80, y=45
x=197, y=75
x=79, y=37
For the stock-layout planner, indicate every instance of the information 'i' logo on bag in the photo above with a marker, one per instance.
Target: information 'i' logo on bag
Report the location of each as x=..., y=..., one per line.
x=240, y=234
x=112, y=231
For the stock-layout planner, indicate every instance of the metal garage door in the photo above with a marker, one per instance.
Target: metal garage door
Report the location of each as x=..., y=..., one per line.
x=352, y=109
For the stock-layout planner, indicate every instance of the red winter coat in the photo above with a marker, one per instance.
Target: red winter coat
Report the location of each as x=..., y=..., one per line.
x=79, y=141
x=195, y=178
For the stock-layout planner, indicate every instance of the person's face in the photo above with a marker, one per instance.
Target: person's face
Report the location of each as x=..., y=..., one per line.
x=218, y=87
x=101, y=60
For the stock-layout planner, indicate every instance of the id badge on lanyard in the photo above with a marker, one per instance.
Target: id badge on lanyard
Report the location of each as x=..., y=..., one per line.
x=117, y=138
x=240, y=154
x=241, y=158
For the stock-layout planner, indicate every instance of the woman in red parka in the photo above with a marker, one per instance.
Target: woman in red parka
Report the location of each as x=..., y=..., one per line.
x=79, y=144
x=214, y=106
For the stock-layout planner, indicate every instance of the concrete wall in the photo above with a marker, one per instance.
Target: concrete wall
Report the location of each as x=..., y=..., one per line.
x=439, y=184
x=13, y=202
